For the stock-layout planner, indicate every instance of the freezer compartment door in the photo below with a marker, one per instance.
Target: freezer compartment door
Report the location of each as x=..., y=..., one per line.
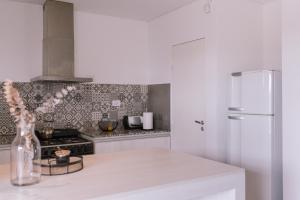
x=250, y=141
x=252, y=92
x=236, y=93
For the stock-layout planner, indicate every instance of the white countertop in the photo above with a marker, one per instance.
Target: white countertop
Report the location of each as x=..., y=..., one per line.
x=120, y=135
x=98, y=136
x=122, y=174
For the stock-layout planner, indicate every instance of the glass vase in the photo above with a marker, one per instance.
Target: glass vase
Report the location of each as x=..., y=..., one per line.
x=25, y=157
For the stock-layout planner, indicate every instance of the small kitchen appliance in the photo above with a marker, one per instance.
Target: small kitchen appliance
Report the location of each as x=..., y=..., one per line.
x=66, y=139
x=133, y=122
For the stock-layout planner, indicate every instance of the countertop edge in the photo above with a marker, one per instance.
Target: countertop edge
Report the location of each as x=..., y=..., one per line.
x=4, y=147
x=199, y=181
x=214, y=177
x=126, y=137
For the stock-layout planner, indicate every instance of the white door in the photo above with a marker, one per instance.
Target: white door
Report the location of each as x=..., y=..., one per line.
x=234, y=140
x=236, y=93
x=188, y=100
x=252, y=92
x=256, y=138
x=257, y=92
x=250, y=147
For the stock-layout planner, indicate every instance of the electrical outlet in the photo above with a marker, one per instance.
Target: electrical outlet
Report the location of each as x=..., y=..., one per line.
x=116, y=103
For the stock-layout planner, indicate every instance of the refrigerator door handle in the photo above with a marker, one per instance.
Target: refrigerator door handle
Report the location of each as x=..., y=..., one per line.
x=236, y=109
x=235, y=118
x=236, y=74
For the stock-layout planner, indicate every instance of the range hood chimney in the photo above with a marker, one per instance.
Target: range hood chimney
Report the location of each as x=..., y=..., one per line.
x=58, y=43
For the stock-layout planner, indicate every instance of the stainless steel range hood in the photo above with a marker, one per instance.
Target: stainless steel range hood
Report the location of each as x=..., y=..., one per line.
x=58, y=43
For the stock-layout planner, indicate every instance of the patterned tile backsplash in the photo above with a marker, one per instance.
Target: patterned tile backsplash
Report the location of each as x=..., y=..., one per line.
x=81, y=109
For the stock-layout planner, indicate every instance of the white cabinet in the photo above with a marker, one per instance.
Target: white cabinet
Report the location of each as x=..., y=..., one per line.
x=145, y=143
x=4, y=156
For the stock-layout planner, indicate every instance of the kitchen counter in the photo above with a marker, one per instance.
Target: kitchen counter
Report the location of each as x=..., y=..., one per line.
x=136, y=175
x=118, y=135
x=100, y=136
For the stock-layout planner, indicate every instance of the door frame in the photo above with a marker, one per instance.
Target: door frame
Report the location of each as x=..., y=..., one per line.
x=172, y=70
x=172, y=85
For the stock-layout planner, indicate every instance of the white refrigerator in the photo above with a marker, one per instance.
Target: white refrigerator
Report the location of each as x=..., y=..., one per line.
x=255, y=136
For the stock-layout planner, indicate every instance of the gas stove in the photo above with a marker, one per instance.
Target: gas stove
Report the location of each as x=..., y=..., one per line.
x=68, y=139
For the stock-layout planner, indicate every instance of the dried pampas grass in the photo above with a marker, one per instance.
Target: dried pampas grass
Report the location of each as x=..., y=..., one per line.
x=18, y=109
x=16, y=105
x=50, y=104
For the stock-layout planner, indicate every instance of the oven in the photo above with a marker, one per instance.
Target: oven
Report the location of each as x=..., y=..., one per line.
x=68, y=139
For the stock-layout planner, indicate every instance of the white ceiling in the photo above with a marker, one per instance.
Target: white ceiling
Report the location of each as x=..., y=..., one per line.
x=144, y=10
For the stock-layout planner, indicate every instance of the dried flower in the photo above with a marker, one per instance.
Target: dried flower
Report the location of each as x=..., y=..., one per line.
x=16, y=104
x=59, y=95
x=64, y=92
x=70, y=88
x=18, y=109
x=50, y=104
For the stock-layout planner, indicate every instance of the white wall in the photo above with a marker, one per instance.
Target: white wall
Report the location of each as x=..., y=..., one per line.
x=186, y=24
x=112, y=50
x=173, y=28
x=272, y=35
x=233, y=33
x=20, y=41
x=291, y=98
x=239, y=49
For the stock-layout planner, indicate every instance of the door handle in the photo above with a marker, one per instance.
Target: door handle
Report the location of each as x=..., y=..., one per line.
x=199, y=122
x=236, y=109
x=235, y=118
